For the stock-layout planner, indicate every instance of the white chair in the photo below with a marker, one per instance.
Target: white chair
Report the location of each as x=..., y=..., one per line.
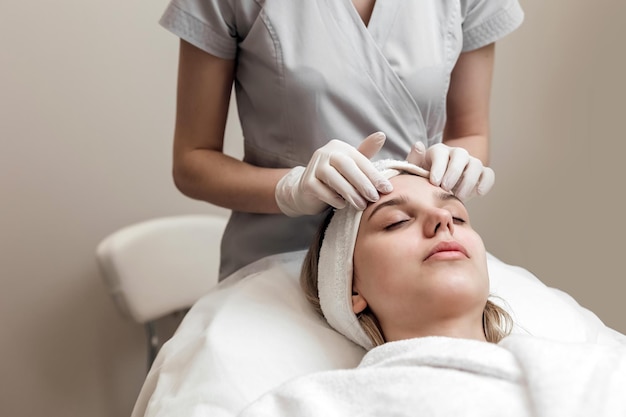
x=161, y=266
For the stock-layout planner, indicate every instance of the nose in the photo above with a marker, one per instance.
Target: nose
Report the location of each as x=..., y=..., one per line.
x=438, y=221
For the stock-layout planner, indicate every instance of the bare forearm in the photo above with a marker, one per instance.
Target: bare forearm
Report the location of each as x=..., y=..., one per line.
x=201, y=171
x=211, y=176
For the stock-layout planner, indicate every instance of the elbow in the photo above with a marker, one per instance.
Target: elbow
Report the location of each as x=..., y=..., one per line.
x=183, y=180
x=192, y=172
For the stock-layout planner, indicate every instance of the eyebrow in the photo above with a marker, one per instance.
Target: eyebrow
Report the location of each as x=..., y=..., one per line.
x=402, y=199
x=443, y=196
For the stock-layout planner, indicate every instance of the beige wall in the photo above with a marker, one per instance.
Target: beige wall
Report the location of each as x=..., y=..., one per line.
x=86, y=116
x=558, y=149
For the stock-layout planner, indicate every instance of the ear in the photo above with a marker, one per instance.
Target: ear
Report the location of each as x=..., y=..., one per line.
x=358, y=301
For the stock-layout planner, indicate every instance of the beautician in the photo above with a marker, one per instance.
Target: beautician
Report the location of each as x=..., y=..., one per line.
x=310, y=71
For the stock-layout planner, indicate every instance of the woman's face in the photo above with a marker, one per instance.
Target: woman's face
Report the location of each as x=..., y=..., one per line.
x=419, y=265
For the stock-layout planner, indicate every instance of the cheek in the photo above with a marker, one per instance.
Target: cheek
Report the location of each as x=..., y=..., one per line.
x=377, y=263
x=478, y=248
x=479, y=255
x=366, y=262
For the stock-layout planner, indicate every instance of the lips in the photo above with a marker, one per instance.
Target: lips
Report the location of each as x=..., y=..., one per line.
x=447, y=250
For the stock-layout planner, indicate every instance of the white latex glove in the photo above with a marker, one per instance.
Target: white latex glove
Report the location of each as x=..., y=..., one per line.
x=337, y=174
x=453, y=169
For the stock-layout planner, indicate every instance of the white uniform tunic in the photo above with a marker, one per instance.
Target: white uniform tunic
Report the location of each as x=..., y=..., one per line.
x=309, y=71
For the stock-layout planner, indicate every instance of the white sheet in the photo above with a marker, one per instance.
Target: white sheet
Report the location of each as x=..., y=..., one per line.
x=255, y=331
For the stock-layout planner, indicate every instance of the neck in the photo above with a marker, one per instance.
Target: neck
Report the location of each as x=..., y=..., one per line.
x=463, y=328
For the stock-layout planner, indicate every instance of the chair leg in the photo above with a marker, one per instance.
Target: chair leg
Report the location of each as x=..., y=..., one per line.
x=153, y=342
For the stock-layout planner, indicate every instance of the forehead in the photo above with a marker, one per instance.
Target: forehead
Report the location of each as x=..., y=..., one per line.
x=405, y=182
x=413, y=188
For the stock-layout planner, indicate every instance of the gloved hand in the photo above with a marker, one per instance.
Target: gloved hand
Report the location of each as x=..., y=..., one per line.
x=337, y=174
x=453, y=169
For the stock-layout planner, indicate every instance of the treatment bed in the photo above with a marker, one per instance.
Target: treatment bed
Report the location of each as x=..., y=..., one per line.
x=254, y=331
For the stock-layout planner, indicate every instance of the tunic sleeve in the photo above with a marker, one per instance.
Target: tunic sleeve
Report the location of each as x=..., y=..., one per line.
x=208, y=25
x=486, y=21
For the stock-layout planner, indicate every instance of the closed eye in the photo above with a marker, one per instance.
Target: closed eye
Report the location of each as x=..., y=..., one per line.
x=458, y=220
x=395, y=224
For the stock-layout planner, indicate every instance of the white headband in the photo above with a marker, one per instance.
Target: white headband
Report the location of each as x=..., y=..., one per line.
x=335, y=268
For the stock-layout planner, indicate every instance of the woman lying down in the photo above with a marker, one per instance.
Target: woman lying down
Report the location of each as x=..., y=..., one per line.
x=407, y=280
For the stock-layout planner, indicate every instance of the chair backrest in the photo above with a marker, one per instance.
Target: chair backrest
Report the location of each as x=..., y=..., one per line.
x=160, y=266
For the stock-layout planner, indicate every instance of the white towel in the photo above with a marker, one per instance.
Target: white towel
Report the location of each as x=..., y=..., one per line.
x=438, y=376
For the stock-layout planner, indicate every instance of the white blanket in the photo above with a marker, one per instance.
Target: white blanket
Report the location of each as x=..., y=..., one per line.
x=438, y=376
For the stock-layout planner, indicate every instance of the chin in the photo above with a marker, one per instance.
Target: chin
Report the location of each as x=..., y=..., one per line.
x=460, y=281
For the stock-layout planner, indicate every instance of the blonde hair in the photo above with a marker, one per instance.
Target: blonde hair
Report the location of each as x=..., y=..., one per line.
x=497, y=323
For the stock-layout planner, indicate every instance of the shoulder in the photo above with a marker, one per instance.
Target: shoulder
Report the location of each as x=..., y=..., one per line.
x=486, y=21
x=487, y=6
x=214, y=26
